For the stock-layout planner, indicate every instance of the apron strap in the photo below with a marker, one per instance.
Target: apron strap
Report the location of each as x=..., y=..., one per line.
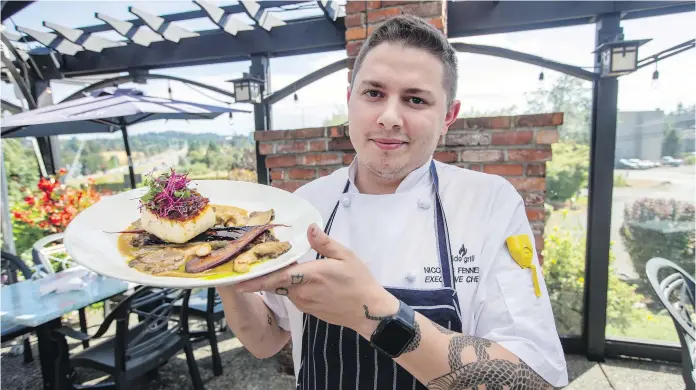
x=327, y=228
x=442, y=233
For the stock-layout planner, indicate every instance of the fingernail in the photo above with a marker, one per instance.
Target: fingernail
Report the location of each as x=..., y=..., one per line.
x=315, y=230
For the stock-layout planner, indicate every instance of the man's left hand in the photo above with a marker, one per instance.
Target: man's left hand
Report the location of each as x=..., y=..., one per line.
x=335, y=289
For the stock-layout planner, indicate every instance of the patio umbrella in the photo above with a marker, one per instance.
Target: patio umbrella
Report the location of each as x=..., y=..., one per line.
x=105, y=111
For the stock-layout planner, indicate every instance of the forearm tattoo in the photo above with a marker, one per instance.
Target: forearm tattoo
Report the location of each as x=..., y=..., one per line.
x=270, y=320
x=442, y=329
x=371, y=317
x=495, y=374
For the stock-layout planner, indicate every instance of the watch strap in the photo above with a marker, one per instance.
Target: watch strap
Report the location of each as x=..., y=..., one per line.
x=406, y=313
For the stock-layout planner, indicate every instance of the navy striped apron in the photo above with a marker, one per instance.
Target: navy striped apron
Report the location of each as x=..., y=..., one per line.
x=338, y=358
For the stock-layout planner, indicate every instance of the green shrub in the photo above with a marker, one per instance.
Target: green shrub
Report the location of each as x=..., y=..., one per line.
x=567, y=172
x=690, y=159
x=659, y=228
x=564, y=273
x=620, y=180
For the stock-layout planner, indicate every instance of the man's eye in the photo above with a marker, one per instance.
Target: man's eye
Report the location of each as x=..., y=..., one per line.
x=372, y=93
x=416, y=100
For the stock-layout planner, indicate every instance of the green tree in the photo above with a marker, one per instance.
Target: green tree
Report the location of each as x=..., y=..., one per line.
x=571, y=96
x=567, y=172
x=21, y=167
x=671, y=145
x=564, y=273
x=338, y=117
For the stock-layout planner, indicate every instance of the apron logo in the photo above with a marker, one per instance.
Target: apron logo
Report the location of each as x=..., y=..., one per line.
x=462, y=257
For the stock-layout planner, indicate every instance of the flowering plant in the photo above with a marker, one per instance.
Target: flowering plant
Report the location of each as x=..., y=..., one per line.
x=49, y=208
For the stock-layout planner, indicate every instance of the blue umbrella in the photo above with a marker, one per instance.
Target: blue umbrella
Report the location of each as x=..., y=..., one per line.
x=105, y=111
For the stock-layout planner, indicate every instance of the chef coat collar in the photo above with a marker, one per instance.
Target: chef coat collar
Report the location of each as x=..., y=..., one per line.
x=418, y=177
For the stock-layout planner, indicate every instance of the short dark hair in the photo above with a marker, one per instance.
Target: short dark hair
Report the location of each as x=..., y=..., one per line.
x=415, y=32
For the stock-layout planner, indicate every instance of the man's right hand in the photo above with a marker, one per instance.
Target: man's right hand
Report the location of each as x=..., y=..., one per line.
x=252, y=322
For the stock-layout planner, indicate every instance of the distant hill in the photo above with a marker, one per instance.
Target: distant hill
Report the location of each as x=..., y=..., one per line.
x=103, y=153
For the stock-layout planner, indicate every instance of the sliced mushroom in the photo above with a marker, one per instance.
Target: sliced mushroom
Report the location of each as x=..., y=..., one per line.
x=233, y=218
x=264, y=251
x=260, y=217
x=158, y=261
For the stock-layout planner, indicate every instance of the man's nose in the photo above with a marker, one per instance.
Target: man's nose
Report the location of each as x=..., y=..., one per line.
x=391, y=116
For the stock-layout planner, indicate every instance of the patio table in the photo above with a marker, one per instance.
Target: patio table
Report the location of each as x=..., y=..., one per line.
x=22, y=304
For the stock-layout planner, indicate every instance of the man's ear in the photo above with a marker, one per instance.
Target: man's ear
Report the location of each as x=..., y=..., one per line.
x=452, y=115
x=348, y=94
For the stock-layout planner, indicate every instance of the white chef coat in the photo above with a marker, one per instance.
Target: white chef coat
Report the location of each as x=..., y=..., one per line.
x=496, y=296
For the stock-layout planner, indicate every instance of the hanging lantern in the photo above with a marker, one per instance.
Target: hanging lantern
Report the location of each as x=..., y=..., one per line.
x=248, y=89
x=619, y=57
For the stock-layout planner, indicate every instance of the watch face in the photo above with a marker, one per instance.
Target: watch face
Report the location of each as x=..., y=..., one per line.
x=393, y=337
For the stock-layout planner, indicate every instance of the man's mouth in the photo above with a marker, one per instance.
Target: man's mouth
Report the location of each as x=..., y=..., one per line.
x=388, y=143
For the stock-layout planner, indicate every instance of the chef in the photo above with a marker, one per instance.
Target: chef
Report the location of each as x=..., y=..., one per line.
x=425, y=275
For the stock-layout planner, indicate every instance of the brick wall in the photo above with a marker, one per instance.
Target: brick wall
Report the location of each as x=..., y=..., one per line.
x=515, y=147
x=363, y=16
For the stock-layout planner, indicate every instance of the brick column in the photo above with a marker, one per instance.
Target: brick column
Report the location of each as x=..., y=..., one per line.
x=363, y=16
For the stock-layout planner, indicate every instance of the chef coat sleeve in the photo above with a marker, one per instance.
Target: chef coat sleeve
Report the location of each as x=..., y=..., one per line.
x=508, y=310
x=277, y=305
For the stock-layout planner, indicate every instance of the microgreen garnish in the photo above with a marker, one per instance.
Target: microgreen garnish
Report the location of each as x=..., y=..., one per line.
x=169, y=196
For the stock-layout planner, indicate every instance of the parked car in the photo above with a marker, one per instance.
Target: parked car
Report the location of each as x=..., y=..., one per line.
x=669, y=160
x=625, y=164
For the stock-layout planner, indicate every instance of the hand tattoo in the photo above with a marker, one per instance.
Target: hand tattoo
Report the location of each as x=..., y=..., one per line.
x=282, y=291
x=495, y=374
x=297, y=279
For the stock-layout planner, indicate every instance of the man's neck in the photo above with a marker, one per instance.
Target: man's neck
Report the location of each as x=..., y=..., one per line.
x=370, y=183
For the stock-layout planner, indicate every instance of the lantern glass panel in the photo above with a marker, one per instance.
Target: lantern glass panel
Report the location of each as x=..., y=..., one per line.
x=241, y=91
x=623, y=60
x=255, y=92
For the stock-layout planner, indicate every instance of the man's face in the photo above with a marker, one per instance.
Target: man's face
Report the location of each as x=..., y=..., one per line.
x=397, y=110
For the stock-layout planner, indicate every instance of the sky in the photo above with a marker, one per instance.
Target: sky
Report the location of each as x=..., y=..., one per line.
x=485, y=83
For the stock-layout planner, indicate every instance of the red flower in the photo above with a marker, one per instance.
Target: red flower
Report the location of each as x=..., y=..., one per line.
x=30, y=200
x=17, y=215
x=62, y=171
x=54, y=220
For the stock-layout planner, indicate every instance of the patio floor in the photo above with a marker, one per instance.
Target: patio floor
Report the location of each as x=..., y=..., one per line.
x=243, y=371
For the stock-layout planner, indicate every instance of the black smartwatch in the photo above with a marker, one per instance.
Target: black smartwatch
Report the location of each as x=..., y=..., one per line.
x=395, y=333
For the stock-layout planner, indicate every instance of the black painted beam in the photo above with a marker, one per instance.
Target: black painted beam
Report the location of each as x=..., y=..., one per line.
x=469, y=18
x=9, y=8
x=619, y=347
x=526, y=58
x=600, y=192
x=11, y=107
x=216, y=46
x=262, y=112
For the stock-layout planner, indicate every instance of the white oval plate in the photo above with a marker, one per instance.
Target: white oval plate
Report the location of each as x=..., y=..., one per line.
x=88, y=242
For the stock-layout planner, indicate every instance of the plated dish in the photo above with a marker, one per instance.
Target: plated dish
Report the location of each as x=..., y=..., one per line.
x=180, y=233
x=175, y=232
